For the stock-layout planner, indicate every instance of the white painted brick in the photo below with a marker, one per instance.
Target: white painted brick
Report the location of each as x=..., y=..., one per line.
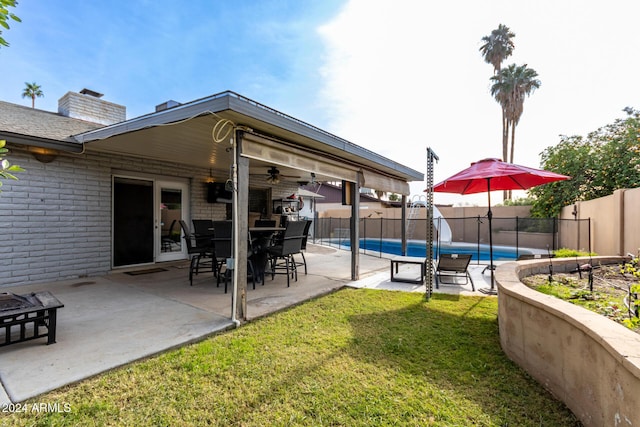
x=57, y=218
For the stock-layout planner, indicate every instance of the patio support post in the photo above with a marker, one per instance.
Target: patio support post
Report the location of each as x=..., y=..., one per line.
x=355, y=229
x=403, y=226
x=241, y=218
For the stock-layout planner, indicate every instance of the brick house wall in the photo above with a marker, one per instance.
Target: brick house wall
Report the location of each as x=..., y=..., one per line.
x=56, y=219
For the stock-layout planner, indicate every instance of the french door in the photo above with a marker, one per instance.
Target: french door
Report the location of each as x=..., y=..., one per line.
x=171, y=208
x=146, y=215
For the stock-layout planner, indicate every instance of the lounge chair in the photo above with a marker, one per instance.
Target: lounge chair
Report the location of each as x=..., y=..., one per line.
x=452, y=266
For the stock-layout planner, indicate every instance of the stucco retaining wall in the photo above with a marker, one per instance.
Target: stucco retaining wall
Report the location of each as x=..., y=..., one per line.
x=589, y=362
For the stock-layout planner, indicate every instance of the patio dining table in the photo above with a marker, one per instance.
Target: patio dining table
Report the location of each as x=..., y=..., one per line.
x=261, y=238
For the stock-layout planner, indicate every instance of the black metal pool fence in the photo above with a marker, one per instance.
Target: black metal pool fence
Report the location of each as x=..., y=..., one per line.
x=543, y=234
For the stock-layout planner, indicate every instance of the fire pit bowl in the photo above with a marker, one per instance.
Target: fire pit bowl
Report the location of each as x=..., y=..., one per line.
x=27, y=317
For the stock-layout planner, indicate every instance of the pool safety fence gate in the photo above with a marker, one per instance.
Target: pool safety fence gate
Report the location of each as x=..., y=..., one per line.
x=519, y=235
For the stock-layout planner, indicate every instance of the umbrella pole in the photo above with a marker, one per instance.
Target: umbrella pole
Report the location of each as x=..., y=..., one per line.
x=490, y=216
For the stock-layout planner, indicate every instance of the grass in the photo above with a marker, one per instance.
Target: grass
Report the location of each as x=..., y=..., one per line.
x=352, y=358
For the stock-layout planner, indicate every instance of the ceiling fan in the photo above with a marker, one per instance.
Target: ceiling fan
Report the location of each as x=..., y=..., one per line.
x=274, y=175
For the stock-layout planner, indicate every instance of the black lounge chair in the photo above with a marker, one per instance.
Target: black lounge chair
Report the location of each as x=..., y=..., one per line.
x=452, y=266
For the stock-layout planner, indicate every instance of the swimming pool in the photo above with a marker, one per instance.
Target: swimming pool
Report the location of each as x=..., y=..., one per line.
x=418, y=248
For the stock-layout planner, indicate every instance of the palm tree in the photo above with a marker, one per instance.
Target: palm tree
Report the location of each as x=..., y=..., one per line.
x=32, y=90
x=510, y=87
x=497, y=47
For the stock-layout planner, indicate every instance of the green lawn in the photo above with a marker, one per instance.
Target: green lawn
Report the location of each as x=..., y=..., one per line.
x=352, y=358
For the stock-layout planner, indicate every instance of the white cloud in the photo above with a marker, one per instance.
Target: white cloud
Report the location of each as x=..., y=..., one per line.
x=405, y=75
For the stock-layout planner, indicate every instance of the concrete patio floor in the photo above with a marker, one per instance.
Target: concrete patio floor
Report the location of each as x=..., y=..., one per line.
x=112, y=320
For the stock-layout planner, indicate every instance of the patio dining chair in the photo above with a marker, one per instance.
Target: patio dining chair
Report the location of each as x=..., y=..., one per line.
x=203, y=231
x=200, y=255
x=452, y=266
x=281, y=254
x=222, y=248
x=303, y=247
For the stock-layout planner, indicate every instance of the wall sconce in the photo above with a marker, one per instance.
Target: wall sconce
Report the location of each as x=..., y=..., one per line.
x=44, y=155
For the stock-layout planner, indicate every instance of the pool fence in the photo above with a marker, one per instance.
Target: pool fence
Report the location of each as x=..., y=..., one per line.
x=516, y=232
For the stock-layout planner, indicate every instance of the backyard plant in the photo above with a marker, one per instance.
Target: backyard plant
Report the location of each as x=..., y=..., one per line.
x=7, y=170
x=571, y=253
x=5, y=16
x=633, y=301
x=598, y=164
x=614, y=291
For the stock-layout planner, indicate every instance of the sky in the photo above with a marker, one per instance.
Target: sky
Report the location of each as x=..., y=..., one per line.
x=393, y=77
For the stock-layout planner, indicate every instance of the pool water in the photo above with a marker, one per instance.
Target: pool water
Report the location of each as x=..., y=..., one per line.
x=418, y=248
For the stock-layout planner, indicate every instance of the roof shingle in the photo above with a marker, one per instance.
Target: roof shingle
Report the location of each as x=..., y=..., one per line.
x=21, y=120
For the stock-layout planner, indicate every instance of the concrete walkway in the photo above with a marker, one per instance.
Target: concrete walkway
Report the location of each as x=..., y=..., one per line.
x=116, y=319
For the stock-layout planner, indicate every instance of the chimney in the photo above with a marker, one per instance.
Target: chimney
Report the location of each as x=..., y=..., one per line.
x=169, y=104
x=88, y=106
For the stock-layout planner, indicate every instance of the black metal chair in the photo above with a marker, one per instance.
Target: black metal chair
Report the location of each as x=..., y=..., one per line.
x=303, y=247
x=222, y=244
x=453, y=266
x=281, y=254
x=203, y=231
x=196, y=253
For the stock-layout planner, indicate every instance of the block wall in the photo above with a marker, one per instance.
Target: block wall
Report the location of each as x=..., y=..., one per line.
x=56, y=219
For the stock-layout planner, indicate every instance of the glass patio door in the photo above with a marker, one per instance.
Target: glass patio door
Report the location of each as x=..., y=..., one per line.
x=171, y=207
x=133, y=241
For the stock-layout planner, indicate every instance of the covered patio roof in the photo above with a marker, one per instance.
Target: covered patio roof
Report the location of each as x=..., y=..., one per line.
x=185, y=134
x=228, y=132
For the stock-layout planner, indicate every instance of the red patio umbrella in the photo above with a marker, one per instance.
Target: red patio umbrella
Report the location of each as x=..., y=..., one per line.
x=491, y=175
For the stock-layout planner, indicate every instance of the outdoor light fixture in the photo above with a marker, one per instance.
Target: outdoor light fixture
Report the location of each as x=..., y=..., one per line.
x=273, y=179
x=44, y=155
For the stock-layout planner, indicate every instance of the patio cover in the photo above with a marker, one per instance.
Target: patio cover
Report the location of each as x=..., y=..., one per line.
x=228, y=129
x=183, y=134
